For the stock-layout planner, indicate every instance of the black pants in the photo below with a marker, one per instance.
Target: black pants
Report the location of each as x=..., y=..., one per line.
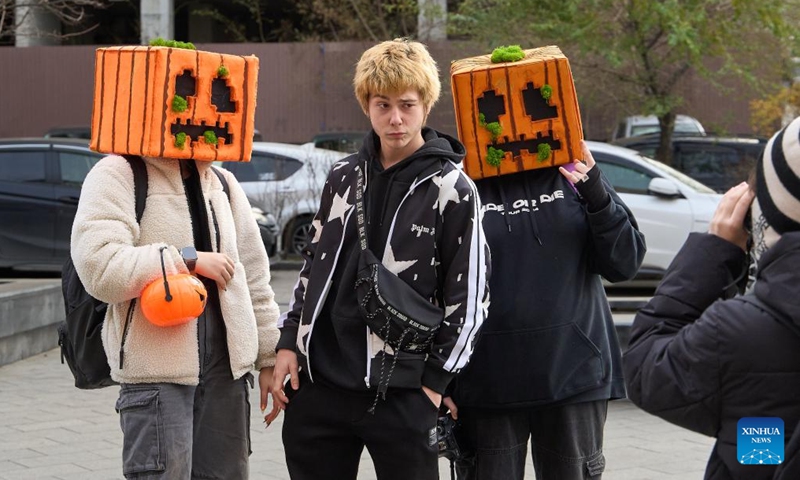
x=566, y=442
x=325, y=431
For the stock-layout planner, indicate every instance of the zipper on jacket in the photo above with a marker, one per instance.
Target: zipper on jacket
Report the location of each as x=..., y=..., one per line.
x=128, y=319
x=369, y=358
x=216, y=225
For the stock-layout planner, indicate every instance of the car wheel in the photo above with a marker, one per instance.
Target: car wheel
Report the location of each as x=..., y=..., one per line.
x=297, y=235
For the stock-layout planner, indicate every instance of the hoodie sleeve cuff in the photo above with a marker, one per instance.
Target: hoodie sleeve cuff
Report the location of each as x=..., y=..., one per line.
x=436, y=379
x=288, y=340
x=593, y=191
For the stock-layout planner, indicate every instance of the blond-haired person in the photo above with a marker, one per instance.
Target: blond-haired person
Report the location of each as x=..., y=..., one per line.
x=421, y=219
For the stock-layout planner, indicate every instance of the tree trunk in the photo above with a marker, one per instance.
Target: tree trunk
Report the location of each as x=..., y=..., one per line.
x=667, y=125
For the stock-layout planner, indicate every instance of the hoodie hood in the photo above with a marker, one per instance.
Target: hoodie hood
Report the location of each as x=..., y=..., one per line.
x=385, y=188
x=778, y=277
x=438, y=146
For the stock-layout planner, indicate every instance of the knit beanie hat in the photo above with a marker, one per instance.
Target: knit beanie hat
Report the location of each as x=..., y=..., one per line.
x=776, y=208
x=778, y=179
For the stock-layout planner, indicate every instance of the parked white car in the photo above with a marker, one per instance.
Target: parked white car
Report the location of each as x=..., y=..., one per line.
x=643, y=124
x=667, y=204
x=286, y=180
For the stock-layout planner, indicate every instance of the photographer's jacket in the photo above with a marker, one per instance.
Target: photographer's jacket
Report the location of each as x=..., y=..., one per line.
x=549, y=337
x=116, y=258
x=703, y=362
x=423, y=222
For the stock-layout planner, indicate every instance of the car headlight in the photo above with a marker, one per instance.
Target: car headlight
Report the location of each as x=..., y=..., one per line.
x=259, y=215
x=266, y=220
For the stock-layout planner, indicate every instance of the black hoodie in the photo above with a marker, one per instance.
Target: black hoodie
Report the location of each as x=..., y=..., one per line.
x=549, y=337
x=339, y=344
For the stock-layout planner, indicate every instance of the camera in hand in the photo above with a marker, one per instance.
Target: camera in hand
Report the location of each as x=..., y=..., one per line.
x=446, y=438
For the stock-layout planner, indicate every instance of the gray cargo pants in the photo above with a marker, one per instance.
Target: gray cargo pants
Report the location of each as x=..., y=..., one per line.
x=185, y=432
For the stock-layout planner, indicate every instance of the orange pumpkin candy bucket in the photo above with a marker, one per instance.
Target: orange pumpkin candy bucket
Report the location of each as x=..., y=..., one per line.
x=174, y=300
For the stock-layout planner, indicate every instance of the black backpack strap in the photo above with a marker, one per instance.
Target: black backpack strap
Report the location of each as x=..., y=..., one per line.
x=223, y=181
x=139, y=183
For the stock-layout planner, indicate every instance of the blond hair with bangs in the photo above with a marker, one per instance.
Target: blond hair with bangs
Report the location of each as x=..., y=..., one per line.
x=395, y=66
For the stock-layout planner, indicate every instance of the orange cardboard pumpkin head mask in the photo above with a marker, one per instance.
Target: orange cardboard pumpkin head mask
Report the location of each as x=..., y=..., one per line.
x=174, y=103
x=516, y=110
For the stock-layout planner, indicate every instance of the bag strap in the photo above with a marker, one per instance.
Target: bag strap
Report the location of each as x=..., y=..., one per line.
x=139, y=183
x=223, y=181
x=362, y=229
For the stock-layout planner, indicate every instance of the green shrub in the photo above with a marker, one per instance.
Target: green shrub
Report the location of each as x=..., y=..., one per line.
x=160, y=42
x=543, y=152
x=494, y=156
x=547, y=91
x=180, y=140
x=211, y=137
x=511, y=53
x=179, y=104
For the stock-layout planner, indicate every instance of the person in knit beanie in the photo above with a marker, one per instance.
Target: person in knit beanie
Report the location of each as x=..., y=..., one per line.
x=776, y=208
x=704, y=359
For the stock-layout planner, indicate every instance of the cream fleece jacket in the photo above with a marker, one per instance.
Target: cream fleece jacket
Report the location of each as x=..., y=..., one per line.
x=116, y=258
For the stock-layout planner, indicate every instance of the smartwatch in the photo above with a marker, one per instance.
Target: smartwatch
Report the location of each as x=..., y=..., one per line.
x=189, y=255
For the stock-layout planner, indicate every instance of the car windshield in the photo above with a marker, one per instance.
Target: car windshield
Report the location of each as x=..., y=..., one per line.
x=681, y=177
x=644, y=129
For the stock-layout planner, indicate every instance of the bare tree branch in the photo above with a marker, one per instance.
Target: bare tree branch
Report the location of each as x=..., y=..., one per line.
x=363, y=22
x=14, y=16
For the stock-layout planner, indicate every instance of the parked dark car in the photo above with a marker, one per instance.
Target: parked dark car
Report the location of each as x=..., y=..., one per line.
x=717, y=162
x=40, y=182
x=348, y=142
x=86, y=132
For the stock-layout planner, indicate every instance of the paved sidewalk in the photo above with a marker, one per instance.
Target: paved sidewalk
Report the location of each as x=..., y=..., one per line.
x=51, y=430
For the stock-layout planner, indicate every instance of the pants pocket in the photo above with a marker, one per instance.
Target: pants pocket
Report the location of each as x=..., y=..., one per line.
x=248, y=385
x=143, y=448
x=596, y=466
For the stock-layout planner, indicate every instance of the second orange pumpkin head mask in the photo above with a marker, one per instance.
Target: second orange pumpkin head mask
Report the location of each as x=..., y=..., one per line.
x=516, y=110
x=161, y=101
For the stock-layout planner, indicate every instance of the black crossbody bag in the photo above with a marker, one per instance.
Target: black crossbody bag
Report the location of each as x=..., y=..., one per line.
x=393, y=310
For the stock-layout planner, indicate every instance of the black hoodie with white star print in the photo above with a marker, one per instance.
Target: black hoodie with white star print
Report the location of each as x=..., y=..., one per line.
x=405, y=205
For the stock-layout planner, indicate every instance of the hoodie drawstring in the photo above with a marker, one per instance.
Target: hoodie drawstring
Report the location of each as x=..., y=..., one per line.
x=505, y=205
x=386, y=197
x=532, y=214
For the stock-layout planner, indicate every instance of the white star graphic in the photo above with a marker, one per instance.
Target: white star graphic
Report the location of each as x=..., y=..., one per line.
x=302, y=330
x=317, y=230
x=393, y=265
x=340, y=207
x=339, y=165
x=449, y=309
x=447, y=191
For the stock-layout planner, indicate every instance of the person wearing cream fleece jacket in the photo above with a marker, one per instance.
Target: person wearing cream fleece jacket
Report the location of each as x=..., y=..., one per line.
x=192, y=378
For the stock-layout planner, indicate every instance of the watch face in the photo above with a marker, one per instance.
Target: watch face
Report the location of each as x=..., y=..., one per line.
x=189, y=253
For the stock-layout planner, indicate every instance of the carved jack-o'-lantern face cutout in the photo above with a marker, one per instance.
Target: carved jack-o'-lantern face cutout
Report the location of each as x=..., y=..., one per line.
x=516, y=116
x=174, y=103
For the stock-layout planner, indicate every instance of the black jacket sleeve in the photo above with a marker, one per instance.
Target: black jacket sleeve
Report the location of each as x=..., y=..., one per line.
x=672, y=366
x=618, y=245
x=289, y=322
